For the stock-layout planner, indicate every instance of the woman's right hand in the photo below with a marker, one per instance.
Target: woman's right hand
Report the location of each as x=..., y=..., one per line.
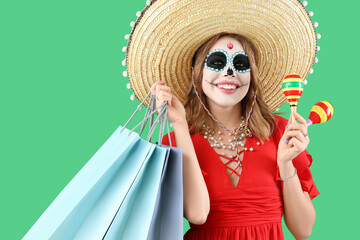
x=176, y=111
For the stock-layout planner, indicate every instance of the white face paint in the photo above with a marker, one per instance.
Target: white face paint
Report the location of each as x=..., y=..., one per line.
x=226, y=75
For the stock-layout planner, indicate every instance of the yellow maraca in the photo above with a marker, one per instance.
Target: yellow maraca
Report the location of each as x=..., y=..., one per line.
x=293, y=88
x=321, y=112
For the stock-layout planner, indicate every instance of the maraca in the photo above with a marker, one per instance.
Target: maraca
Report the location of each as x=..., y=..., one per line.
x=293, y=87
x=321, y=112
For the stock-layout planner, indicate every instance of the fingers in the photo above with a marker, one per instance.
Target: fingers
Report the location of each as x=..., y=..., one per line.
x=300, y=119
x=301, y=126
x=164, y=97
x=295, y=134
x=157, y=88
x=297, y=127
x=160, y=88
x=153, y=87
x=298, y=130
x=162, y=93
x=298, y=145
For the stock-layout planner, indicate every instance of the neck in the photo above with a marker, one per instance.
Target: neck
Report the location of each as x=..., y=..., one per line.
x=229, y=117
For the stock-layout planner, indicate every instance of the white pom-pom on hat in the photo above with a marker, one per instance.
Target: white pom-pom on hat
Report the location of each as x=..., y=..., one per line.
x=125, y=74
x=304, y=3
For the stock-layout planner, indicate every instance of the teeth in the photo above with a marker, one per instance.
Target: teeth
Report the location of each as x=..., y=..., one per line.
x=226, y=86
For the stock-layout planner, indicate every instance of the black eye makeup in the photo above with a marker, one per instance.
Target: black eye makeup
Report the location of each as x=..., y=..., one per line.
x=240, y=62
x=218, y=59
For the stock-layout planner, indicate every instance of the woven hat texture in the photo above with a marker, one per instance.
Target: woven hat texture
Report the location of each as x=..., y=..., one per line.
x=168, y=33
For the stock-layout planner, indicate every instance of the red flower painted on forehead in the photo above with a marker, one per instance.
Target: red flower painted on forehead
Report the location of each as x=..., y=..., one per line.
x=230, y=45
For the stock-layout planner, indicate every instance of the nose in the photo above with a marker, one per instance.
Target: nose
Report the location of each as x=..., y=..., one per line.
x=230, y=72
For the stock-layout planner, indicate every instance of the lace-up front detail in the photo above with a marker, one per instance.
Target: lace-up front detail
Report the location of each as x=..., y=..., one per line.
x=233, y=169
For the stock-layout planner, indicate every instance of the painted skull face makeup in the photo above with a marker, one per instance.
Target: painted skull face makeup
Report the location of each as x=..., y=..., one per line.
x=226, y=74
x=218, y=59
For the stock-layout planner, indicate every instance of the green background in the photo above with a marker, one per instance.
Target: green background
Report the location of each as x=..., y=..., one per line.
x=62, y=95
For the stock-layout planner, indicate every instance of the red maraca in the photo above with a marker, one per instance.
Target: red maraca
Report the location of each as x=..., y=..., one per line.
x=293, y=88
x=321, y=112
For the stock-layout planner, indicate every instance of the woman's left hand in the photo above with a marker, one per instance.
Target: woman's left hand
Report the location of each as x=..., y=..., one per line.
x=297, y=138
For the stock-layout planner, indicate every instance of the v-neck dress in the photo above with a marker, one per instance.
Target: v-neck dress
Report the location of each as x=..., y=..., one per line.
x=254, y=208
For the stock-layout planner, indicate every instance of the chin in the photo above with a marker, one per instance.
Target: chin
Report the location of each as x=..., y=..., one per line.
x=227, y=104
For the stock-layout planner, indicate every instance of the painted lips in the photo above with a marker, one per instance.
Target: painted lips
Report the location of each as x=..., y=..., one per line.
x=227, y=88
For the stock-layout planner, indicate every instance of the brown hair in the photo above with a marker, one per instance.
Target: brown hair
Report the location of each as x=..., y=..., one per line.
x=262, y=120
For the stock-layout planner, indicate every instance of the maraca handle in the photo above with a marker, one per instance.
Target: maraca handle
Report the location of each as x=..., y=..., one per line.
x=293, y=109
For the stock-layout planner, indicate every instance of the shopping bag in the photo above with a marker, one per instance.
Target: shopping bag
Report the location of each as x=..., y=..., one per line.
x=153, y=209
x=167, y=222
x=134, y=217
x=67, y=212
x=118, y=192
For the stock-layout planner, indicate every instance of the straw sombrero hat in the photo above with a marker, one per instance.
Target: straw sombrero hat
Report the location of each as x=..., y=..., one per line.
x=167, y=34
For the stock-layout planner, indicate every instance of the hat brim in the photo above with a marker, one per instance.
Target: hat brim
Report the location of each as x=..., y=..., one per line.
x=168, y=33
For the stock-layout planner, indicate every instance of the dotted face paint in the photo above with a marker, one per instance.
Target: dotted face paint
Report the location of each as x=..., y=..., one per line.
x=218, y=59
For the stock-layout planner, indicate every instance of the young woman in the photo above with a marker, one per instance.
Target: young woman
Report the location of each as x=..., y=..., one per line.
x=243, y=166
x=220, y=66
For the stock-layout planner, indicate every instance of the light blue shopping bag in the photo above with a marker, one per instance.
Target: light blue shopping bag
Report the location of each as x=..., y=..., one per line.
x=167, y=222
x=134, y=217
x=120, y=154
x=118, y=193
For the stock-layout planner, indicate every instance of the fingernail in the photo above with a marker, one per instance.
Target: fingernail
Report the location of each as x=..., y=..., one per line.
x=286, y=140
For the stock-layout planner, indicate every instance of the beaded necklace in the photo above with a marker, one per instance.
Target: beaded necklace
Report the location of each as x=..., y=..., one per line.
x=236, y=143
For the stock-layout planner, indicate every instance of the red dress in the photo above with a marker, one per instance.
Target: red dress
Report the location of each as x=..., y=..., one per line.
x=254, y=209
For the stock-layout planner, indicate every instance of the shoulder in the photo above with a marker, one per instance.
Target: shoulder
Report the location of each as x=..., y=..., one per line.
x=280, y=121
x=280, y=124
x=195, y=137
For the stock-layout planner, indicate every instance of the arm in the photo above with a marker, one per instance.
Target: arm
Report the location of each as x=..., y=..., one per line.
x=196, y=196
x=299, y=212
